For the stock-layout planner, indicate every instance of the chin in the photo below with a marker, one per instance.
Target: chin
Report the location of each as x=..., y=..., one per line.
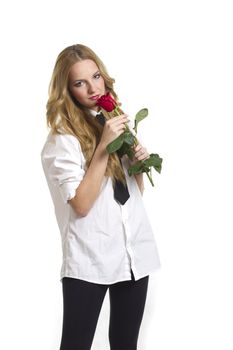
x=94, y=107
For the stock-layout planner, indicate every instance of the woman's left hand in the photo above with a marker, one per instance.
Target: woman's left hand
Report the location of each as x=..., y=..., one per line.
x=140, y=153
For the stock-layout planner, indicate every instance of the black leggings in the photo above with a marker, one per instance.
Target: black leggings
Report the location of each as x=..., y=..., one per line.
x=82, y=302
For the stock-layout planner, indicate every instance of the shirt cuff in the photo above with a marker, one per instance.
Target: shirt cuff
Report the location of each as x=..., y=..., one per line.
x=68, y=190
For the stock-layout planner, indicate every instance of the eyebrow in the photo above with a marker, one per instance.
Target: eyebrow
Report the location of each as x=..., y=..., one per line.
x=75, y=81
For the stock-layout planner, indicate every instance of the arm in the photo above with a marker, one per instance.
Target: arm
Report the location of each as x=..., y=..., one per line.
x=138, y=177
x=88, y=190
x=140, y=154
x=140, y=182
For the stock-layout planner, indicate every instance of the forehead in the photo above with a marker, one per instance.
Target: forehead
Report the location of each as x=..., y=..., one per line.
x=82, y=69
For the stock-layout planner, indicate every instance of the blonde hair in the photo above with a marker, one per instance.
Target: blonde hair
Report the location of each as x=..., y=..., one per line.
x=67, y=116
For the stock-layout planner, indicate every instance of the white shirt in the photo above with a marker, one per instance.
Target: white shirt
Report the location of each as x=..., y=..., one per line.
x=103, y=246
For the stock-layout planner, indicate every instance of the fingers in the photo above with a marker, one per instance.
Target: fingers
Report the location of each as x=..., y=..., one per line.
x=123, y=118
x=118, y=123
x=114, y=127
x=141, y=152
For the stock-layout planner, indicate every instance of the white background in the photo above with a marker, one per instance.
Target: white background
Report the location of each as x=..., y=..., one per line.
x=175, y=58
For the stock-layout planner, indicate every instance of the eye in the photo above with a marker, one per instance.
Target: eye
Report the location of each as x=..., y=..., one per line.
x=78, y=84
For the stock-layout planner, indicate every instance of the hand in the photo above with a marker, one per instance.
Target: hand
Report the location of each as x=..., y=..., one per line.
x=113, y=128
x=140, y=154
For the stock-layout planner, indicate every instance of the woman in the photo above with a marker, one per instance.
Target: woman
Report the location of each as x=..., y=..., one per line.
x=106, y=244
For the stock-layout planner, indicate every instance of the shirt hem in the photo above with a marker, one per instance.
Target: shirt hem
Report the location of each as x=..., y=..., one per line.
x=93, y=280
x=111, y=282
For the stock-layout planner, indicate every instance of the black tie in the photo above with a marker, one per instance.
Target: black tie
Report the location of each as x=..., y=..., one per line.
x=121, y=193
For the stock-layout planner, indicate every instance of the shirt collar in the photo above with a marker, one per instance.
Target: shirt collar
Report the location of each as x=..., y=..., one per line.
x=93, y=112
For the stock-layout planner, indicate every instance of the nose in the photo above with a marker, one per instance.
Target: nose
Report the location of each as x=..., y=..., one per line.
x=91, y=88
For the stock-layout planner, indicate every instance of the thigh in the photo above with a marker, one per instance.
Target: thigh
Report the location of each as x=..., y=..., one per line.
x=127, y=302
x=82, y=303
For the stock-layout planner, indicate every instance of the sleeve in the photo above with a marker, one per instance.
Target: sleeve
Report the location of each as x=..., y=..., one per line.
x=62, y=163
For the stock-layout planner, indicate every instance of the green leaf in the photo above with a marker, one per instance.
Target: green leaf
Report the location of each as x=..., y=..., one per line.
x=126, y=149
x=130, y=153
x=145, y=165
x=115, y=144
x=154, y=161
x=128, y=138
x=123, y=150
x=137, y=168
x=143, y=113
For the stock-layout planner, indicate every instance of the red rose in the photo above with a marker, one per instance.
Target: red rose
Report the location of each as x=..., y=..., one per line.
x=106, y=102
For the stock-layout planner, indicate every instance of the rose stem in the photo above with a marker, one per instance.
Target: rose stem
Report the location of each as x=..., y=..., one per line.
x=135, y=143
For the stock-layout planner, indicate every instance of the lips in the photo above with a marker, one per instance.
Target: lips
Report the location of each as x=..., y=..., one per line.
x=94, y=98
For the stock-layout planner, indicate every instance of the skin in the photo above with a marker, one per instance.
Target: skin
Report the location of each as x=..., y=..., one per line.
x=85, y=81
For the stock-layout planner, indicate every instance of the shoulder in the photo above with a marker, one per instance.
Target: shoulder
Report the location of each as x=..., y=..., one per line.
x=57, y=143
x=63, y=139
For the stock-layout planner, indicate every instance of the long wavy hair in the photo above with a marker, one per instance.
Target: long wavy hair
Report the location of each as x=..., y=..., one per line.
x=65, y=115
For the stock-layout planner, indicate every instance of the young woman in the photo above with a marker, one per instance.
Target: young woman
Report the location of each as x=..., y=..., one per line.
x=106, y=244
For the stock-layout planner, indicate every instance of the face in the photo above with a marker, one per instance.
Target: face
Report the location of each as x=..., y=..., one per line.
x=85, y=82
